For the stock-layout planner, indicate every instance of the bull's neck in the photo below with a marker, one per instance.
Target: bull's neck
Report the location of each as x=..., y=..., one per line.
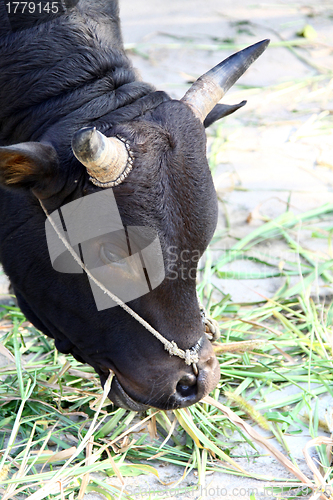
x=68, y=110
x=69, y=72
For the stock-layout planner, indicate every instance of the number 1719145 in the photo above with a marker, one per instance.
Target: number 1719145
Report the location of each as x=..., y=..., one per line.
x=32, y=8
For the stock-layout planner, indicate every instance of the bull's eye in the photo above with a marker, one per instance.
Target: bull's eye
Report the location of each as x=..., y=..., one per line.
x=109, y=254
x=115, y=255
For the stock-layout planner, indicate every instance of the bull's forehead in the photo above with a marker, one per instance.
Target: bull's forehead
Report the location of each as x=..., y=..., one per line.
x=170, y=187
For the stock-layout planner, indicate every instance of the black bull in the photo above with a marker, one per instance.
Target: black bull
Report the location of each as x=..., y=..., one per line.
x=74, y=121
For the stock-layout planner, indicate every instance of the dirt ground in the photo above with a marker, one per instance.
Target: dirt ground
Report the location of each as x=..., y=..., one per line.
x=274, y=151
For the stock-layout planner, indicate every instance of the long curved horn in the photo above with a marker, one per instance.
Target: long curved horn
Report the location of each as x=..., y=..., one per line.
x=107, y=159
x=211, y=87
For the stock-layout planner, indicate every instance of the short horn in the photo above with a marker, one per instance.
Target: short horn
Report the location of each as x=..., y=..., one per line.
x=206, y=92
x=107, y=159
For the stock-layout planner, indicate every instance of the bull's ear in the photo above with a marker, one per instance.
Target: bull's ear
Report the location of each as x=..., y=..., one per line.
x=221, y=110
x=30, y=165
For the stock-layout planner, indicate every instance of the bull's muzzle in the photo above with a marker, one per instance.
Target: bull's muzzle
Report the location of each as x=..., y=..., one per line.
x=181, y=388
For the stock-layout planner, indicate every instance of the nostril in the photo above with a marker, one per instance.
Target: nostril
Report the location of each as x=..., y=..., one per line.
x=187, y=386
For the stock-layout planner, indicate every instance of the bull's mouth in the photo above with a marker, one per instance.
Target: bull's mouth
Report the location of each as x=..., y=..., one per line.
x=120, y=398
x=182, y=389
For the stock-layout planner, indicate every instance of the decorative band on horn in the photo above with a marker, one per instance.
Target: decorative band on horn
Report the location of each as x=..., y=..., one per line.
x=108, y=160
x=125, y=172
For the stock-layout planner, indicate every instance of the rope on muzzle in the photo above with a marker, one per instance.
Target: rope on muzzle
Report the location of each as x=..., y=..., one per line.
x=190, y=356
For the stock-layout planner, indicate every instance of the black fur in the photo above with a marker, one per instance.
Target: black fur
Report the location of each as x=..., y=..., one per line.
x=55, y=78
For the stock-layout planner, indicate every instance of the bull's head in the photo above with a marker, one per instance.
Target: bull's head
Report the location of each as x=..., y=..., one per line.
x=155, y=161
